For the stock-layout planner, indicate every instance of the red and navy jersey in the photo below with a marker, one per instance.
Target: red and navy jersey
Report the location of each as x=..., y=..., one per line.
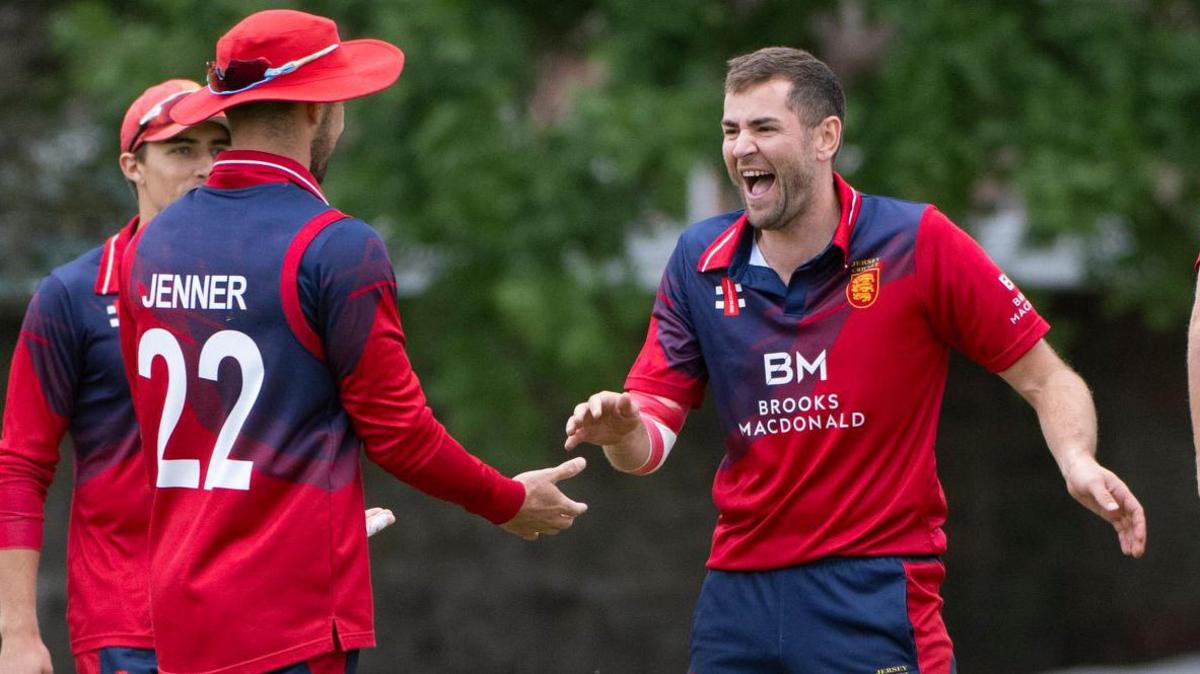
x=265, y=351
x=828, y=388
x=67, y=376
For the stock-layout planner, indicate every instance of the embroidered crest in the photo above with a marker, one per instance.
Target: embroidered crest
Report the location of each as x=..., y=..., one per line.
x=863, y=288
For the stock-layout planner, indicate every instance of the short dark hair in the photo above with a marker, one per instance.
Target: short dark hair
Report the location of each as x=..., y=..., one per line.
x=816, y=91
x=276, y=116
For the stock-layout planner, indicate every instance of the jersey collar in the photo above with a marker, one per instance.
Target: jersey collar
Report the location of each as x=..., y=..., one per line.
x=719, y=254
x=247, y=168
x=110, y=259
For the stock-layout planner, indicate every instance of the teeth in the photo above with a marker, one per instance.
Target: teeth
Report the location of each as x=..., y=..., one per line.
x=755, y=174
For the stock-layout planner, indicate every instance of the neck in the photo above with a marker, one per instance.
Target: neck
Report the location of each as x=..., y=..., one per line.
x=294, y=148
x=145, y=214
x=806, y=235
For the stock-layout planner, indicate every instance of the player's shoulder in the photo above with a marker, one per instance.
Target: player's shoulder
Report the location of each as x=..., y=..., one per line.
x=699, y=236
x=347, y=240
x=891, y=211
x=78, y=275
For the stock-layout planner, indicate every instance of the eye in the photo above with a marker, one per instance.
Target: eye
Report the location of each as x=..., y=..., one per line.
x=730, y=131
x=182, y=150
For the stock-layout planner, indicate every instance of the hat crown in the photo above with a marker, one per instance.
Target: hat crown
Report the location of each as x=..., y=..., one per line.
x=276, y=35
x=132, y=128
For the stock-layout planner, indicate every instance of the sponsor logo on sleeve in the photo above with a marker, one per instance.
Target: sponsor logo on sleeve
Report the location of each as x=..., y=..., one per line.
x=1021, y=305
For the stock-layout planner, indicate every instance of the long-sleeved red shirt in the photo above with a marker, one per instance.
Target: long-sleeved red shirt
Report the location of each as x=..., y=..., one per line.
x=264, y=350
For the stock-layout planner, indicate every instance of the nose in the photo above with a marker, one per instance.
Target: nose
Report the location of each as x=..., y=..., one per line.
x=204, y=167
x=743, y=145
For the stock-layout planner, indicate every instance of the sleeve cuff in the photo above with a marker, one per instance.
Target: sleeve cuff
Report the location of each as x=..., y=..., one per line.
x=506, y=501
x=20, y=532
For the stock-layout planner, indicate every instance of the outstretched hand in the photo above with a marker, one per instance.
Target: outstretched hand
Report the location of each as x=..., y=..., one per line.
x=546, y=509
x=607, y=418
x=1102, y=492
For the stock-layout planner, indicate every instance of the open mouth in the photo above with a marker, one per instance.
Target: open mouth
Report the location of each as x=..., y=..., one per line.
x=758, y=182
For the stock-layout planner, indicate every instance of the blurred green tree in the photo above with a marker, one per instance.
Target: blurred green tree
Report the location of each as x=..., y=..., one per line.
x=526, y=141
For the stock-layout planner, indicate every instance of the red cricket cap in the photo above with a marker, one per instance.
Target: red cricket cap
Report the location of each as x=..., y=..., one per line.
x=286, y=55
x=148, y=118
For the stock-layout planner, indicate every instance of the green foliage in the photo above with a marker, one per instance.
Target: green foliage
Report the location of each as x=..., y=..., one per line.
x=526, y=140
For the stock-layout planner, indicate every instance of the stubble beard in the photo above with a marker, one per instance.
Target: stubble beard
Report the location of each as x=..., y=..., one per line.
x=321, y=148
x=795, y=197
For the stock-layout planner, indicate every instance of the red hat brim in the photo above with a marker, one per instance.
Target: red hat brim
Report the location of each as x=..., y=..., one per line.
x=355, y=69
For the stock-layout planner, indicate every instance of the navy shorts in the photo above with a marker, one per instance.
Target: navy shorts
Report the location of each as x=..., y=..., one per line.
x=340, y=662
x=874, y=615
x=117, y=660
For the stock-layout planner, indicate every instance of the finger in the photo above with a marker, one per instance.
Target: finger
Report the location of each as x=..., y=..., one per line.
x=1100, y=494
x=1133, y=529
x=596, y=405
x=573, y=508
x=558, y=527
x=626, y=407
x=379, y=521
x=581, y=411
x=373, y=511
x=574, y=438
x=568, y=469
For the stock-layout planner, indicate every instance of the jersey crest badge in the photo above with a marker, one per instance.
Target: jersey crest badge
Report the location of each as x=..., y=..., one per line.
x=728, y=299
x=863, y=288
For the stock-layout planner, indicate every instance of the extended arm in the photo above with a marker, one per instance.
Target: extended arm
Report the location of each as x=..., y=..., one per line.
x=349, y=284
x=1068, y=418
x=1193, y=369
x=636, y=430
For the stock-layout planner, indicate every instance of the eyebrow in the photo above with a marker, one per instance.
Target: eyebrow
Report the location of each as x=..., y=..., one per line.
x=181, y=141
x=757, y=121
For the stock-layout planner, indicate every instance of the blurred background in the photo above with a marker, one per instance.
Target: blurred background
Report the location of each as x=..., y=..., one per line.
x=530, y=172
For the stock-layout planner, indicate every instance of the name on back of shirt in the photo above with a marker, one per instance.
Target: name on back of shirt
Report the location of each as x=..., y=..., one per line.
x=193, y=291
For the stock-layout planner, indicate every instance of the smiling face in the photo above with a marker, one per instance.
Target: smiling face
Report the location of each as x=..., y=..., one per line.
x=769, y=154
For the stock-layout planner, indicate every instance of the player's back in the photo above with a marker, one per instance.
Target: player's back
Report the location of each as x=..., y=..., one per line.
x=256, y=559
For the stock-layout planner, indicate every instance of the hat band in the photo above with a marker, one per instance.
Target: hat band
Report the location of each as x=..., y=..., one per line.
x=256, y=72
x=152, y=114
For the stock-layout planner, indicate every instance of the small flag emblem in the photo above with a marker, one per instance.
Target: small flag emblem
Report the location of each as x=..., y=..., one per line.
x=728, y=299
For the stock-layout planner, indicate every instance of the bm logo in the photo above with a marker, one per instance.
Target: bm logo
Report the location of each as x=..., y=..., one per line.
x=784, y=368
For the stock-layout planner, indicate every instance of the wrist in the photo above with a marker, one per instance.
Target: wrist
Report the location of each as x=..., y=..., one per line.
x=1070, y=461
x=19, y=628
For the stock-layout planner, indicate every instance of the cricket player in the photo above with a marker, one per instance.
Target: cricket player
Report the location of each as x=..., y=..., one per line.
x=67, y=376
x=264, y=349
x=821, y=319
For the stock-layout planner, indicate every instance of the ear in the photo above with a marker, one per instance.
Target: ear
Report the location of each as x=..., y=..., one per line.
x=827, y=138
x=131, y=168
x=314, y=113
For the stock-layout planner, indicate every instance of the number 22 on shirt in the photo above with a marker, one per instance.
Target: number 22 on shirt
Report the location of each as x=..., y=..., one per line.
x=223, y=472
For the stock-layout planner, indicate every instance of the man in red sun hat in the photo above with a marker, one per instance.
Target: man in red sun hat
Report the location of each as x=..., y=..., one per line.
x=67, y=376
x=264, y=350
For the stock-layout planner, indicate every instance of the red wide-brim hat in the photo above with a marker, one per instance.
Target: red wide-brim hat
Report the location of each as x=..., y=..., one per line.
x=276, y=37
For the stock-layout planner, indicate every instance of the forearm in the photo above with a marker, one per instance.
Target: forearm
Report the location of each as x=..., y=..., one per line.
x=645, y=448
x=18, y=593
x=632, y=452
x=1067, y=416
x=1193, y=372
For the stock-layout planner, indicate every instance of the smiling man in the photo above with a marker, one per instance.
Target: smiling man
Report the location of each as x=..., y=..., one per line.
x=823, y=319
